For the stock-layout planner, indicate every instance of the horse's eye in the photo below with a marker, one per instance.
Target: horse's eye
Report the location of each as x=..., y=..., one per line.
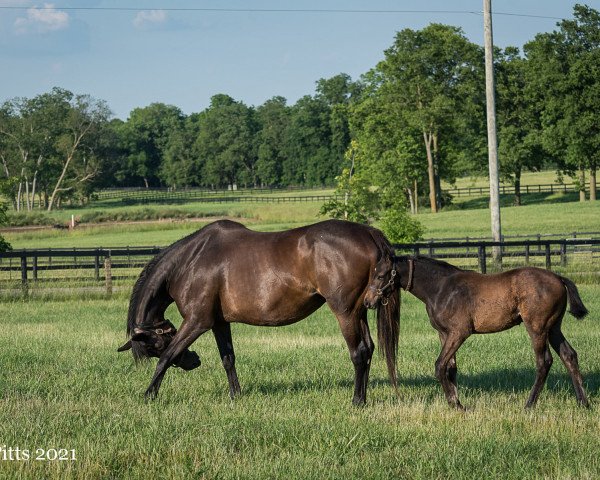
x=379, y=277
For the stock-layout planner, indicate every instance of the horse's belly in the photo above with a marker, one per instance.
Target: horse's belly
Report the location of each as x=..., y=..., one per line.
x=273, y=314
x=487, y=323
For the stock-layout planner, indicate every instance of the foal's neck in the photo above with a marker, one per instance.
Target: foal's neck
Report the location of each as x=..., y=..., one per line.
x=427, y=277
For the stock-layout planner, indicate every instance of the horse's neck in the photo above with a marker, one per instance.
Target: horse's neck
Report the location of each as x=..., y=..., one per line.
x=427, y=279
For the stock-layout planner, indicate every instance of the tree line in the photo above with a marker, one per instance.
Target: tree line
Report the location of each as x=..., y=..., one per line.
x=386, y=139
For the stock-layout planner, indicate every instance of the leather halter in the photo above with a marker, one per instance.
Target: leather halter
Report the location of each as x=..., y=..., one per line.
x=161, y=328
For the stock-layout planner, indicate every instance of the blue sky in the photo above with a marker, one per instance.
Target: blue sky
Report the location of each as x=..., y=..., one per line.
x=155, y=53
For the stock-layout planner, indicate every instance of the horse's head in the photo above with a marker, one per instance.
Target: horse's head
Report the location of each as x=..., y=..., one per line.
x=152, y=341
x=382, y=283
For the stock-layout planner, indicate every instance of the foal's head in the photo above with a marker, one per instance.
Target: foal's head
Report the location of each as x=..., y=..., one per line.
x=152, y=341
x=383, y=282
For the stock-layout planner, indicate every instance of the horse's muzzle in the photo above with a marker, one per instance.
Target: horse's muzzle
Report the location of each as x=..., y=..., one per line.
x=187, y=360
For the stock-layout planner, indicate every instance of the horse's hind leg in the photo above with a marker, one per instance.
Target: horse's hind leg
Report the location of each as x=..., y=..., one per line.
x=355, y=330
x=568, y=355
x=222, y=333
x=543, y=362
x=184, y=337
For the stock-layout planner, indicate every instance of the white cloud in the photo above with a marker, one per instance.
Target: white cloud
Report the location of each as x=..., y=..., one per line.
x=42, y=20
x=147, y=18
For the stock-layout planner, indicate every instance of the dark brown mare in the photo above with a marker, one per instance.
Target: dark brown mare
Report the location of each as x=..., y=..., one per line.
x=225, y=273
x=460, y=303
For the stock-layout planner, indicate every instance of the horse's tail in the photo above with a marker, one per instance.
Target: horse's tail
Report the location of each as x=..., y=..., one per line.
x=388, y=315
x=576, y=306
x=388, y=332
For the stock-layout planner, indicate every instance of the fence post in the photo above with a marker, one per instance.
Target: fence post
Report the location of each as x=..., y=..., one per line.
x=34, y=269
x=482, y=260
x=527, y=253
x=97, y=265
x=24, y=286
x=548, y=259
x=563, y=254
x=108, y=273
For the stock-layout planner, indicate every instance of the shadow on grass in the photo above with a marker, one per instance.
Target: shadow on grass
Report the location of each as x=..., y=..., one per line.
x=503, y=380
x=509, y=380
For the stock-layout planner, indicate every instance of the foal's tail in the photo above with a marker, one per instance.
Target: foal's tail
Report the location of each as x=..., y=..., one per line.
x=388, y=332
x=576, y=306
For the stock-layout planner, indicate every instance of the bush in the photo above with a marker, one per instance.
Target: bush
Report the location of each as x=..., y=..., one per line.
x=399, y=227
x=4, y=245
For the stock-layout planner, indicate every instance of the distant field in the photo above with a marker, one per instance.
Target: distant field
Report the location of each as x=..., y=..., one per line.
x=63, y=385
x=527, y=178
x=528, y=219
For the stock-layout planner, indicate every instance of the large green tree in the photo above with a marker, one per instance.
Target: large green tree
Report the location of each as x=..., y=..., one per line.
x=564, y=77
x=48, y=145
x=225, y=143
x=430, y=77
x=519, y=144
x=144, y=140
x=273, y=119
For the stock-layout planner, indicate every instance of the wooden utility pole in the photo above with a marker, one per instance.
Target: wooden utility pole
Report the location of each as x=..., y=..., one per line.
x=490, y=100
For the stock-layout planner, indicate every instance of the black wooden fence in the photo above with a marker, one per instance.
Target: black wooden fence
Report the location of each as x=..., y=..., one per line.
x=100, y=267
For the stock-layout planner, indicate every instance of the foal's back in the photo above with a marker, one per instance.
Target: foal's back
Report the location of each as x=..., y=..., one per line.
x=492, y=303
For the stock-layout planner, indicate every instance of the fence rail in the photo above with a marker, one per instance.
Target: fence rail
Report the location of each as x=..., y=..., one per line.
x=142, y=195
x=102, y=267
x=510, y=189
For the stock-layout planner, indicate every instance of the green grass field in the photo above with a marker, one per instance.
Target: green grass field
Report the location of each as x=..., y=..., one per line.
x=63, y=385
x=528, y=219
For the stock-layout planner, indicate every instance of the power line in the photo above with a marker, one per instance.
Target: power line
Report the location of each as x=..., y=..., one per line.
x=272, y=10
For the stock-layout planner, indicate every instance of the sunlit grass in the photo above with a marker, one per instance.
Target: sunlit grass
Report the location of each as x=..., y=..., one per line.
x=63, y=385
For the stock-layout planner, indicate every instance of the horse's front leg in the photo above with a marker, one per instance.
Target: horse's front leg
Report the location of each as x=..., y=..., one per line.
x=451, y=342
x=182, y=340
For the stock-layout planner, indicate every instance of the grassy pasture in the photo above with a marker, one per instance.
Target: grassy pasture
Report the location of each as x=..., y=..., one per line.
x=63, y=385
x=527, y=219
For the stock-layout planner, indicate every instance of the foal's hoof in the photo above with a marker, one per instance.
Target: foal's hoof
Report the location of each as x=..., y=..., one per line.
x=150, y=395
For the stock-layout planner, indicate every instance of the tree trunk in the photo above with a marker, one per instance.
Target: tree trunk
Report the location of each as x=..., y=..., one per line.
x=582, y=185
x=428, y=137
x=146, y=183
x=593, y=183
x=411, y=200
x=518, y=188
x=436, y=172
x=416, y=198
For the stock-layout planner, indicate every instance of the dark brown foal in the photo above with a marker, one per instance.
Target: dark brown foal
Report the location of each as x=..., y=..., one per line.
x=460, y=303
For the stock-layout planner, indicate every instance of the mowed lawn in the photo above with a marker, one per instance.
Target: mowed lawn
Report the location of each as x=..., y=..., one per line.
x=63, y=385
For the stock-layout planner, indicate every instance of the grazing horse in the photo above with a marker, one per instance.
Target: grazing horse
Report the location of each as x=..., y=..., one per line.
x=225, y=273
x=461, y=302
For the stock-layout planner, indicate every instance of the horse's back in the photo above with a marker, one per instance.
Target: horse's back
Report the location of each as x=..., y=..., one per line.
x=275, y=278
x=500, y=301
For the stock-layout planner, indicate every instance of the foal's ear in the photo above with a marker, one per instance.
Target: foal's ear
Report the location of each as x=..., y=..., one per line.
x=125, y=346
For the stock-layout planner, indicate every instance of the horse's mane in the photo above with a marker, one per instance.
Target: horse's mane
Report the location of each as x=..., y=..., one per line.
x=438, y=264
x=153, y=274
x=383, y=245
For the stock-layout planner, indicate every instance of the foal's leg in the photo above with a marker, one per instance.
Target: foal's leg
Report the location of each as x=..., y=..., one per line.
x=568, y=355
x=222, y=333
x=452, y=370
x=543, y=362
x=185, y=336
x=355, y=330
x=451, y=343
